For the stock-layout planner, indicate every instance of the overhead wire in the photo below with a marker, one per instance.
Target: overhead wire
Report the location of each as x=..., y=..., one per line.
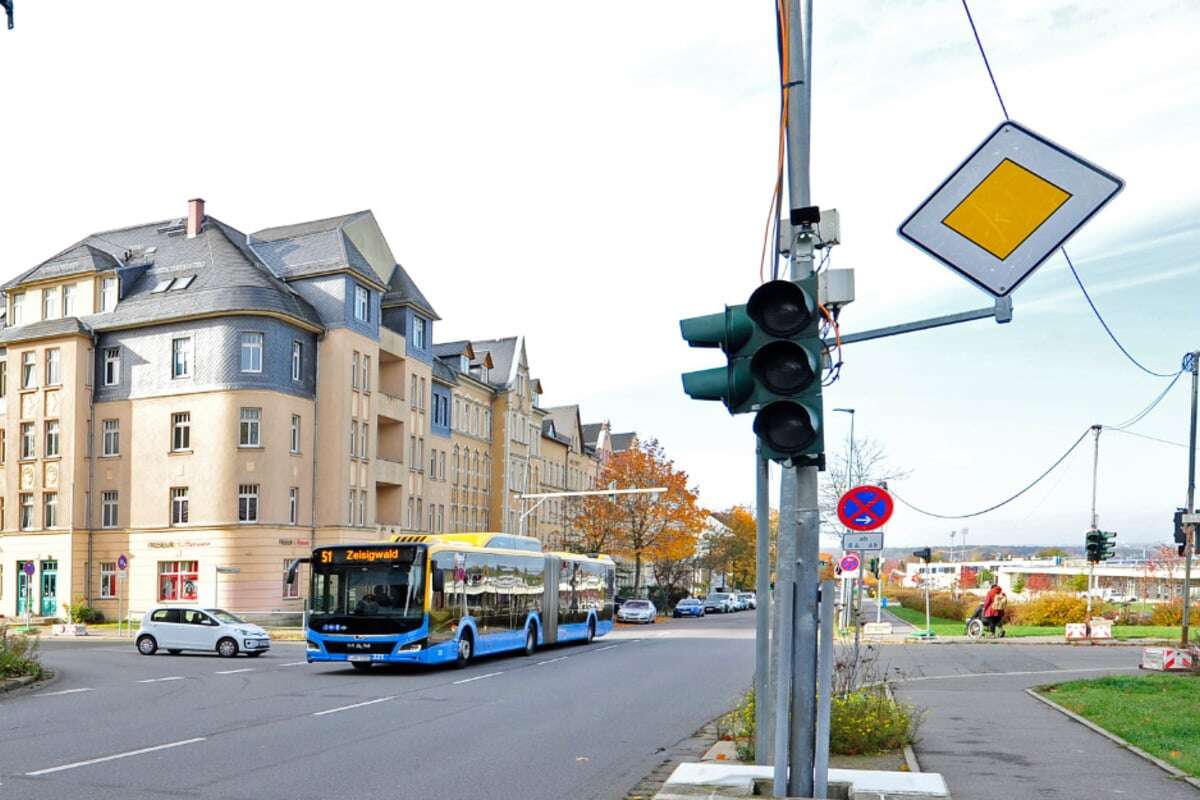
x=771, y=229
x=1086, y=296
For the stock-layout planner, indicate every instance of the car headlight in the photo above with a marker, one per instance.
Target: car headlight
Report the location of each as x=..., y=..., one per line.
x=245, y=632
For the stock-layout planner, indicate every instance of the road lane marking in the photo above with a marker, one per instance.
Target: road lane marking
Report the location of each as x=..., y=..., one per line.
x=102, y=759
x=61, y=691
x=354, y=705
x=234, y=671
x=1007, y=674
x=478, y=677
x=293, y=663
x=602, y=649
x=160, y=680
x=553, y=660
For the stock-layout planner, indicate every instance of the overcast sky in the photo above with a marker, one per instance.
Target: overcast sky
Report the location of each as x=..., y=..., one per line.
x=586, y=175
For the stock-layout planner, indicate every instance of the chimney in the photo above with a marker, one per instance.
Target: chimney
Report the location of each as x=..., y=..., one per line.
x=195, y=217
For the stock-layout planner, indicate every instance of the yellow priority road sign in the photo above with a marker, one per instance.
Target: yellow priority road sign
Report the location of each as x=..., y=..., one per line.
x=1008, y=207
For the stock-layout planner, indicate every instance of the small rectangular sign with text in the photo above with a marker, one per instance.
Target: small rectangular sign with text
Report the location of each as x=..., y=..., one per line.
x=859, y=542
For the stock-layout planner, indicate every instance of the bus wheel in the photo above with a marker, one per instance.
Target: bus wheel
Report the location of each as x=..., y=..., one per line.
x=531, y=641
x=591, y=631
x=465, y=649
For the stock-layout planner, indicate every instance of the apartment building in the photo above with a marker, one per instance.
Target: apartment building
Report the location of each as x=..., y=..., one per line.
x=211, y=404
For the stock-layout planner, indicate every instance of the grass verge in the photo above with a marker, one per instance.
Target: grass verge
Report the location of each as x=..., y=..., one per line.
x=948, y=627
x=1142, y=709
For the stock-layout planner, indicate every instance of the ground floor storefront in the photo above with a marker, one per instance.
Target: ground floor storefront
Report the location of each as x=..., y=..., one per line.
x=123, y=573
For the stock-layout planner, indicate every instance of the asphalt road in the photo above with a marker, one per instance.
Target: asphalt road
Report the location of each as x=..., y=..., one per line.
x=578, y=721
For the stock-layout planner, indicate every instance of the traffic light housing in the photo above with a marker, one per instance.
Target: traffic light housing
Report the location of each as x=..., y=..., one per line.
x=1181, y=533
x=1100, y=545
x=873, y=567
x=774, y=351
x=925, y=554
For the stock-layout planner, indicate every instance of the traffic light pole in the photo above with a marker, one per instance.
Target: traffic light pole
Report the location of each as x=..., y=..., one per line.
x=1193, y=365
x=762, y=621
x=1095, y=522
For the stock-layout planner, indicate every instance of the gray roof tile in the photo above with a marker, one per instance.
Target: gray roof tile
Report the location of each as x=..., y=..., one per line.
x=403, y=290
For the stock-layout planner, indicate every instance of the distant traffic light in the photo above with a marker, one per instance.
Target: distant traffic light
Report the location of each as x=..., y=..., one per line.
x=873, y=567
x=1100, y=545
x=1181, y=534
x=925, y=554
x=774, y=353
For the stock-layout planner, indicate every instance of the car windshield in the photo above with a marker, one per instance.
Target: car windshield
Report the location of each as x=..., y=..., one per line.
x=365, y=585
x=688, y=602
x=638, y=604
x=717, y=596
x=225, y=616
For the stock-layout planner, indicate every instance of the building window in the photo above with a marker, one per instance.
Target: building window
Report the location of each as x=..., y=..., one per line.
x=108, y=294
x=181, y=357
x=18, y=309
x=26, y=500
x=297, y=359
x=362, y=509
x=442, y=465
x=353, y=438
x=366, y=373
x=50, y=510
x=252, y=352
x=412, y=453
x=28, y=440
x=290, y=590
x=250, y=428
x=28, y=370
x=3, y=378
x=294, y=505
x=179, y=505
x=421, y=397
x=178, y=580
x=412, y=394
x=52, y=438
x=3, y=451
x=50, y=303
x=248, y=502
x=363, y=450
x=53, y=366
x=108, y=510
x=295, y=433
x=181, y=431
x=70, y=292
x=108, y=580
x=420, y=515
x=112, y=438
x=354, y=370
x=408, y=517
x=362, y=304
x=112, y=366
x=350, y=507
x=418, y=333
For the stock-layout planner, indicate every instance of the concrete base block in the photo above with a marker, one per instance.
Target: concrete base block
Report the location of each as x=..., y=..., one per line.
x=715, y=781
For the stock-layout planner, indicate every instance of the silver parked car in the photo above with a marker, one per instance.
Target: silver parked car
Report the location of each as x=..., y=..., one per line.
x=719, y=603
x=749, y=600
x=638, y=611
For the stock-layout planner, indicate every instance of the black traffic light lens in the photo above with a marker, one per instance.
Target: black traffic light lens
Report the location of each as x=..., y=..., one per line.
x=781, y=308
x=786, y=427
x=784, y=367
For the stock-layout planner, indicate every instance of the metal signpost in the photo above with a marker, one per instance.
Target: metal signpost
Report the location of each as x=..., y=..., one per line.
x=28, y=569
x=122, y=601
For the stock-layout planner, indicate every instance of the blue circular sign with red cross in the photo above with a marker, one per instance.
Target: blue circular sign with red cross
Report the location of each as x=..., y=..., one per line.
x=865, y=508
x=850, y=563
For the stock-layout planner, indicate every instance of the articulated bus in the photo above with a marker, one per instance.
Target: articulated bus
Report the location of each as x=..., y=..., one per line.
x=445, y=598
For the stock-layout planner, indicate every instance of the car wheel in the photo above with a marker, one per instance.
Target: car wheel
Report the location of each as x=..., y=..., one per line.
x=361, y=666
x=174, y=651
x=466, y=648
x=227, y=648
x=146, y=645
x=531, y=641
x=591, y=634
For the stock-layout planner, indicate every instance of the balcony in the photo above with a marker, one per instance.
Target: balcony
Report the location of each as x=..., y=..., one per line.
x=389, y=472
x=389, y=406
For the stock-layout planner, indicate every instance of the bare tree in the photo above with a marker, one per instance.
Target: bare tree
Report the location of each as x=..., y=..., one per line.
x=870, y=465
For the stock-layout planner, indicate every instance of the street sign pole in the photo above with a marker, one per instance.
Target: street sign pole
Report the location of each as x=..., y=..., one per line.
x=1192, y=363
x=762, y=620
x=1095, y=522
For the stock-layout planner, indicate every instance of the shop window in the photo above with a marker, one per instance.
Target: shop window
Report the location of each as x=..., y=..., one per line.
x=178, y=580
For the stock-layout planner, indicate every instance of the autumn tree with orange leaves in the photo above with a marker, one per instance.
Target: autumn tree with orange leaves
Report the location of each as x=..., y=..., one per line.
x=641, y=526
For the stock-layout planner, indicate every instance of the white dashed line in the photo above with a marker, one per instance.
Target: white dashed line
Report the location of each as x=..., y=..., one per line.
x=478, y=677
x=62, y=691
x=160, y=680
x=354, y=705
x=234, y=671
x=102, y=759
x=293, y=663
x=553, y=660
x=602, y=649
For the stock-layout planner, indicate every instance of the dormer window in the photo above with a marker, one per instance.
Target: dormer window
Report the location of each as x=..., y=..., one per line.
x=18, y=309
x=464, y=364
x=69, y=292
x=108, y=294
x=50, y=303
x=418, y=333
x=362, y=303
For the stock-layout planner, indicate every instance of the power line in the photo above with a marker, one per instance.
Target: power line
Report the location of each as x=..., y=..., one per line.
x=1144, y=436
x=1138, y=417
x=1005, y=502
x=1004, y=110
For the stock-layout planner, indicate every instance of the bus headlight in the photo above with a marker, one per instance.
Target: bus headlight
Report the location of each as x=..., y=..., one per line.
x=409, y=648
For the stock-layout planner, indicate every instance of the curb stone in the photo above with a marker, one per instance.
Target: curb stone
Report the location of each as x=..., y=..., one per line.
x=27, y=682
x=910, y=755
x=1174, y=771
x=692, y=748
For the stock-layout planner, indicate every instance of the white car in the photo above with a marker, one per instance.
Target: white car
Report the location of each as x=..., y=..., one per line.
x=175, y=629
x=638, y=611
x=749, y=599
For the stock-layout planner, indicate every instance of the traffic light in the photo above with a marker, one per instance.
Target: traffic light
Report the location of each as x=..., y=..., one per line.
x=1100, y=546
x=925, y=554
x=1181, y=534
x=873, y=567
x=774, y=353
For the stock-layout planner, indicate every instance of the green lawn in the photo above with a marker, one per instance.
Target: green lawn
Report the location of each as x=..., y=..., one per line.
x=948, y=627
x=1142, y=709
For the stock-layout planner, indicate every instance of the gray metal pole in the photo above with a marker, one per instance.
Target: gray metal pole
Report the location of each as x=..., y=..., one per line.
x=804, y=640
x=762, y=622
x=785, y=570
x=1095, y=521
x=824, y=692
x=1191, y=507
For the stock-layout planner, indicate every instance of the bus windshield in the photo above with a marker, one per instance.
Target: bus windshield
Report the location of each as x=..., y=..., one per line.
x=391, y=587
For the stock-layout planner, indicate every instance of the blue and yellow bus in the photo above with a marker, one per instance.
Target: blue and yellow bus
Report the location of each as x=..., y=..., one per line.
x=446, y=598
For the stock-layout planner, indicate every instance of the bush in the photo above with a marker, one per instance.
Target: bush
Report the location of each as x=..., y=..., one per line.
x=81, y=613
x=18, y=655
x=1172, y=613
x=941, y=604
x=1049, y=608
x=870, y=721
